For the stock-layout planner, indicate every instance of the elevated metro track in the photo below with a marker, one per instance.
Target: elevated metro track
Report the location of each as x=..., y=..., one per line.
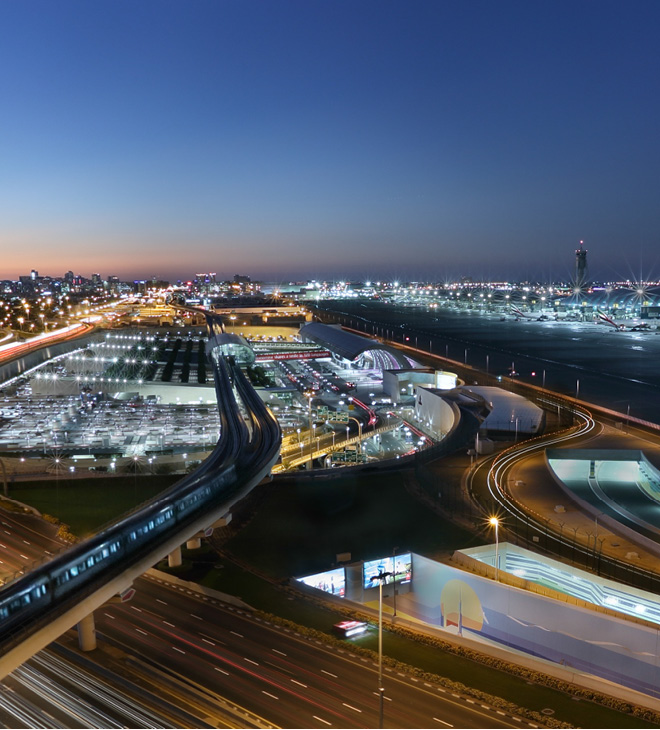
x=40, y=606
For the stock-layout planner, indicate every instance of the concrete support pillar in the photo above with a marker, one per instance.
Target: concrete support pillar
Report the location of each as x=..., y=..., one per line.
x=194, y=543
x=87, y=633
x=174, y=558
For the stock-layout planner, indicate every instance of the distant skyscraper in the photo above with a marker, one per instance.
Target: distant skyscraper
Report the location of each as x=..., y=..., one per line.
x=581, y=271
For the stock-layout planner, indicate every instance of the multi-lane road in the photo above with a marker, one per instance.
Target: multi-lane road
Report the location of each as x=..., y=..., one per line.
x=221, y=666
x=287, y=679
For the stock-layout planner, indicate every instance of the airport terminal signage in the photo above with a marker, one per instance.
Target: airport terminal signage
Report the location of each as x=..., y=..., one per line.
x=305, y=355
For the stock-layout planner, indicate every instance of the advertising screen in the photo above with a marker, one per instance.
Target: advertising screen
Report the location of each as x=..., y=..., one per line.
x=332, y=581
x=399, y=569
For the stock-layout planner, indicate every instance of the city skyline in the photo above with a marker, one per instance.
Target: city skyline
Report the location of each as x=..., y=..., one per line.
x=431, y=141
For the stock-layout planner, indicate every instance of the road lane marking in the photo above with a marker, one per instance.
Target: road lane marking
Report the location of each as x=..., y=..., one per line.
x=24, y=556
x=251, y=662
x=208, y=641
x=142, y=632
x=217, y=669
x=350, y=707
x=135, y=608
x=277, y=651
x=295, y=681
x=167, y=623
x=240, y=636
x=108, y=615
x=263, y=691
x=320, y=719
x=176, y=648
x=330, y=674
x=442, y=722
x=159, y=601
x=26, y=542
x=194, y=615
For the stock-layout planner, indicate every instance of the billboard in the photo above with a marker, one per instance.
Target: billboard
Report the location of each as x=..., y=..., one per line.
x=399, y=568
x=331, y=581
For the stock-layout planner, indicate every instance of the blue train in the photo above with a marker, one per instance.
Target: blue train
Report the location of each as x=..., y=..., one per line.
x=241, y=455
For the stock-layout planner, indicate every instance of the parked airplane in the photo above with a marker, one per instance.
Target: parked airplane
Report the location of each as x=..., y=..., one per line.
x=519, y=314
x=621, y=326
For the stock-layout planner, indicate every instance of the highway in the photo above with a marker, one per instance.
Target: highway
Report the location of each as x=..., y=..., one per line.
x=54, y=691
x=24, y=540
x=283, y=677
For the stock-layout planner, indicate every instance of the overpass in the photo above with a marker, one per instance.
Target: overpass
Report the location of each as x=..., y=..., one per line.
x=65, y=590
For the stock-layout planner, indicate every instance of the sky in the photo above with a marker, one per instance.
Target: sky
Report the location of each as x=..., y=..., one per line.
x=291, y=139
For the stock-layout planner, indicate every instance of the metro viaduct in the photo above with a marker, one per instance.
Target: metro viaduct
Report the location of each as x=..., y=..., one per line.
x=40, y=606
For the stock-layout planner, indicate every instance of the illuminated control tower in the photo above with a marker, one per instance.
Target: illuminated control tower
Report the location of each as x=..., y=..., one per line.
x=581, y=266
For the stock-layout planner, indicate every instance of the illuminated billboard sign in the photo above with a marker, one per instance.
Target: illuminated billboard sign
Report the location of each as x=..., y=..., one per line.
x=332, y=581
x=398, y=567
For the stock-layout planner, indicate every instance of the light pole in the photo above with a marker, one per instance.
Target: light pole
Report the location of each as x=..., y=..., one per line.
x=359, y=423
x=381, y=577
x=394, y=549
x=494, y=522
x=310, y=397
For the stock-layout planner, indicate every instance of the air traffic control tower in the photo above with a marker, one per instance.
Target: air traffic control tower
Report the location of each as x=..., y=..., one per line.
x=581, y=270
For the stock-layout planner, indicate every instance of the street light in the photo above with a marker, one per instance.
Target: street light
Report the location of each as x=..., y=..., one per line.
x=381, y=579
x=359, y=423
x=494, y=522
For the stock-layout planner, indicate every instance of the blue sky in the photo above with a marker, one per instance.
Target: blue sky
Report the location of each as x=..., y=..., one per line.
x=329, y=139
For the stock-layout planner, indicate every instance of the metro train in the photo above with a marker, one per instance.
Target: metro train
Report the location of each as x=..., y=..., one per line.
x=238, y=457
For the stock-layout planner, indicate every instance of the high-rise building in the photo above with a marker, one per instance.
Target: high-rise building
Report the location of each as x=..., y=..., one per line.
x=581, y=270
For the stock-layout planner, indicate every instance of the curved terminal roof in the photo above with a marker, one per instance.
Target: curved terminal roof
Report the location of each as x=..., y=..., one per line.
x=350, y=346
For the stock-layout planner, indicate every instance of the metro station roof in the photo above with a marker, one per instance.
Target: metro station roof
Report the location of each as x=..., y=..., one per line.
x=350, y=346
x=232, y=344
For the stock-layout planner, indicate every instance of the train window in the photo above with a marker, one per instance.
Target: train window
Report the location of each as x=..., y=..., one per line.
x=115, y=546
x=73, y=572
x=4, y=612
x=132, y=536
x=90, y=561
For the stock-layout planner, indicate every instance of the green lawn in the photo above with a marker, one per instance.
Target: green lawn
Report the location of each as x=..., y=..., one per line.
x=300, y=527
x=86, y=504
